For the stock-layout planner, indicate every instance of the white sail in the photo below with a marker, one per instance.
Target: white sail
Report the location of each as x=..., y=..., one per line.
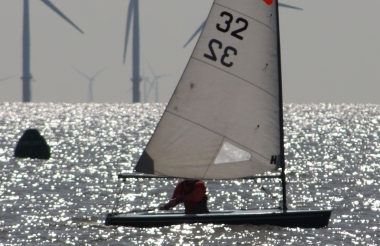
x=224, y=118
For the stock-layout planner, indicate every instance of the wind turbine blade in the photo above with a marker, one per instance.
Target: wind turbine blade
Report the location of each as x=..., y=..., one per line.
x=143, y=69
x=195, y=33
x=288, y=6
x=151, y=69
x=144, y=79
x=5, y=78
x=154, y=77
x=131, y=7
x=99, y=72
x=81, y=73
x=151, y=87
x=55, y=9
x=163, y=75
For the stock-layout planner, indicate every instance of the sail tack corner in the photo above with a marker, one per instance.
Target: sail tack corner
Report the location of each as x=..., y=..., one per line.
x=145, y=164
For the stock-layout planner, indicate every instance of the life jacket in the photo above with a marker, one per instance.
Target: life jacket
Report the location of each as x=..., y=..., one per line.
x=199, y=207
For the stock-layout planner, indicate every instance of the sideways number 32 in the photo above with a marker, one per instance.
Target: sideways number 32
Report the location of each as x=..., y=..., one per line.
x=235, y=33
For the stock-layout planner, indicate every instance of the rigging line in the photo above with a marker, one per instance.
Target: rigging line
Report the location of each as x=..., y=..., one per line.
x=249, y=82
x=247, y=16
x=118, y=197
x=266, y=191
x=169, y=112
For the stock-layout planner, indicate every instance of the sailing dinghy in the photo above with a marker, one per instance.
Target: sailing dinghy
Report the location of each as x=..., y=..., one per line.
x=225, y=119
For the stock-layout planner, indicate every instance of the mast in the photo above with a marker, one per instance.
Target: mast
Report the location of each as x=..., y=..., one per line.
x=281, y=118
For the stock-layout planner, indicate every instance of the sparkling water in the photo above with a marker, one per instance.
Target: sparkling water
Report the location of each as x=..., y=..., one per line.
x=332, y=156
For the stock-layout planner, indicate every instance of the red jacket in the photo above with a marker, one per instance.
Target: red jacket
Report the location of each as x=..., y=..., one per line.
x=190, y=194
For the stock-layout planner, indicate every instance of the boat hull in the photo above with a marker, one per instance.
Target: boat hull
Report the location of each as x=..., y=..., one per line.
x=290, y=218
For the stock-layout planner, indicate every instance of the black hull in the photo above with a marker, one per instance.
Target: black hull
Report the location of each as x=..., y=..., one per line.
x=290, y=218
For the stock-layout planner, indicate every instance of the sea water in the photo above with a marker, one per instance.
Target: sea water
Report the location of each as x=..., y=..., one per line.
x=332, y=154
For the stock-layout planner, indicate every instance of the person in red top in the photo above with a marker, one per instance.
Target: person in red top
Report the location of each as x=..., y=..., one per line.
x=192, y=193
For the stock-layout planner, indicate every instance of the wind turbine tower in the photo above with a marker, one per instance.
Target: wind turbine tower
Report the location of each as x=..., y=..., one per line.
x=133, y=10
x=26, y=75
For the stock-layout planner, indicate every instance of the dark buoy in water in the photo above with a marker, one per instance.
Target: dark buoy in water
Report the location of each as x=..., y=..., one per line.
x=33, y=145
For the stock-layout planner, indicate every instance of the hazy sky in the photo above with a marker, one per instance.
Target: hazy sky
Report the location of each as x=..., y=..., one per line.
x=330, y=49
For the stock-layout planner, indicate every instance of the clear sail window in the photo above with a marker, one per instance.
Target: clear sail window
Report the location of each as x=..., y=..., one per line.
x=230, y=153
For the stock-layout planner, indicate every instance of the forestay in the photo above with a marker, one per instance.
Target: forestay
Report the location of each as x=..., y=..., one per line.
x=224, y=119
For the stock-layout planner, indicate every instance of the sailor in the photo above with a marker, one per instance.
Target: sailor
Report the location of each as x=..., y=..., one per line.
x=192, y=193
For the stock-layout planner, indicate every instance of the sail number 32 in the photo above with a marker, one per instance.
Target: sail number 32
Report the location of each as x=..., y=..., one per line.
x=225, y=28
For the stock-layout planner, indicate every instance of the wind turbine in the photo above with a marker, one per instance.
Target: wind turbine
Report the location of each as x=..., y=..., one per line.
x=26, y=75
x=133, y=10
x=203, y=24
x=90, y=80
x=154, y=83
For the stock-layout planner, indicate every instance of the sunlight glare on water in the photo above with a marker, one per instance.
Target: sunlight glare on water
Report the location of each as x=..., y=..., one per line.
x=332, y=161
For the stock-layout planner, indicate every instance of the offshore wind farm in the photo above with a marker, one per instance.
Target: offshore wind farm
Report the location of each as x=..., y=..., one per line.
x=133, y=17
x=26, y=74
x=320, y=55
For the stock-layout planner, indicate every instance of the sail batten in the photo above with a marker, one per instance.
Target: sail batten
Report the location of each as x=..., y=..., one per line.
x=223, y=120
x=225, y=139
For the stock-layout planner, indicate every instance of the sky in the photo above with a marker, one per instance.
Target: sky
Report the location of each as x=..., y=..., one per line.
x=330, y=50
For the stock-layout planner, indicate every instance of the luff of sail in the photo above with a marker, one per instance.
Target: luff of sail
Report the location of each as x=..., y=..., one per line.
x=223, y=120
